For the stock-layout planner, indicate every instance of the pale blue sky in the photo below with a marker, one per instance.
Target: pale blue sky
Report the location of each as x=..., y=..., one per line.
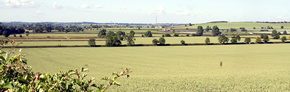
x=144, y=11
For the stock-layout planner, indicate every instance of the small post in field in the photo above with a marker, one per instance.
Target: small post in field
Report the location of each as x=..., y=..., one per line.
x=221, y=64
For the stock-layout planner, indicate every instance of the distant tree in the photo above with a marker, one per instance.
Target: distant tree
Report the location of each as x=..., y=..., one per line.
x=102, y=33
x=233, y=30
x=266, y=38
x=120, y=35
x=262, y=35
x=27, y=33
x=92, y=42
x=207, y=40
x=112, y=41
x=161, y=40
x=80, y=29
x=182, y=42
x=148, y=34
x=155, y=41
x=20, y=35
x=283, y=39
x=14, y=35
x=199, y=31
x=285, y=33
x=20, y=30
x=254, y=27
x=48, y=27
x=38, y=29
x=223, y=39
x=186, y=29
x=282, y=27
x=237, y=37
x=234, y=40
x=258, y=40
x=132, y=33
x=185, y=25
x=207, y=29
x=247, y=40
x=190, y=24
x=175, y=35
x=275, y=34
x=173, y=31
x=6, y=33
x=130, y=39
x=167, y=35
x=59, y=28
x=215, y=31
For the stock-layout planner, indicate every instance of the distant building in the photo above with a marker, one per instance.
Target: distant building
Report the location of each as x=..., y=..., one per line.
x=165, y=29
x=0, y=22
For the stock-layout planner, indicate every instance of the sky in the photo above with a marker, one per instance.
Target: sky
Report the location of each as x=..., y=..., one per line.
x=144, y=11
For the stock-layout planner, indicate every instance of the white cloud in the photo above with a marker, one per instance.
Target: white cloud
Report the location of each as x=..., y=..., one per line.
x=124, y=7
x=182, y=13
x=160, y=10
x=85, y=6
x=56, y=6
x=98, y=6
x=19, y=3
x=39, y=13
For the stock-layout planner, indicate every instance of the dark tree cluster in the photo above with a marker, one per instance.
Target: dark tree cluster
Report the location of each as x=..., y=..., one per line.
x=7, y=30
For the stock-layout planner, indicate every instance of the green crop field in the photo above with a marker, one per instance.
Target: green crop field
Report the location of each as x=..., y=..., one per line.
x=247, y=25
x=262, y=67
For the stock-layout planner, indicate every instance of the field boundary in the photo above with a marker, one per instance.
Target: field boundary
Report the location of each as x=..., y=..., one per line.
x=140, y=45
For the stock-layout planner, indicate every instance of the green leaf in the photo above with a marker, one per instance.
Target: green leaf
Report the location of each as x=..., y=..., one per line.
x=7, y=85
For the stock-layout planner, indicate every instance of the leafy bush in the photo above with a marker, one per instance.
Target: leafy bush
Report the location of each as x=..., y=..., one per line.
x=155, y=41
x=266, y=38
x=20, y=35
x=167, y=35
x=161, y=40
x=17, y=77
x=234, y=40
x=275, y=34
x=285, y=33
x=148, y=34
x=247, y=40
x=258, y=40
x=283, y=39
x=207, y=41
x=175, y=35
x=102, y=33
x=6, y=33
x=92, y=42
x=182, y=42
x=223, y=39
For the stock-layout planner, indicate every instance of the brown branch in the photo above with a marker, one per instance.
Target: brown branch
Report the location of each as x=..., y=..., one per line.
x=128, y=71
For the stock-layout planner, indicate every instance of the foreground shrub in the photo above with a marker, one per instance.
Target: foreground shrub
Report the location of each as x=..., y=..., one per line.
x=17, y=77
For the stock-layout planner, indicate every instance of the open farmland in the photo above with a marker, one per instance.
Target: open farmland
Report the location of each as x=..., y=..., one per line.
x=237, y=25
x=179, y=68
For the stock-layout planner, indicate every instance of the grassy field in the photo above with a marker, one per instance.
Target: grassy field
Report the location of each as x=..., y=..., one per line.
x=178, y=68
x=237, y=25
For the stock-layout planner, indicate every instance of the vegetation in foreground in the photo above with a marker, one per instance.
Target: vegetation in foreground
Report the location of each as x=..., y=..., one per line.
x=16, y=77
